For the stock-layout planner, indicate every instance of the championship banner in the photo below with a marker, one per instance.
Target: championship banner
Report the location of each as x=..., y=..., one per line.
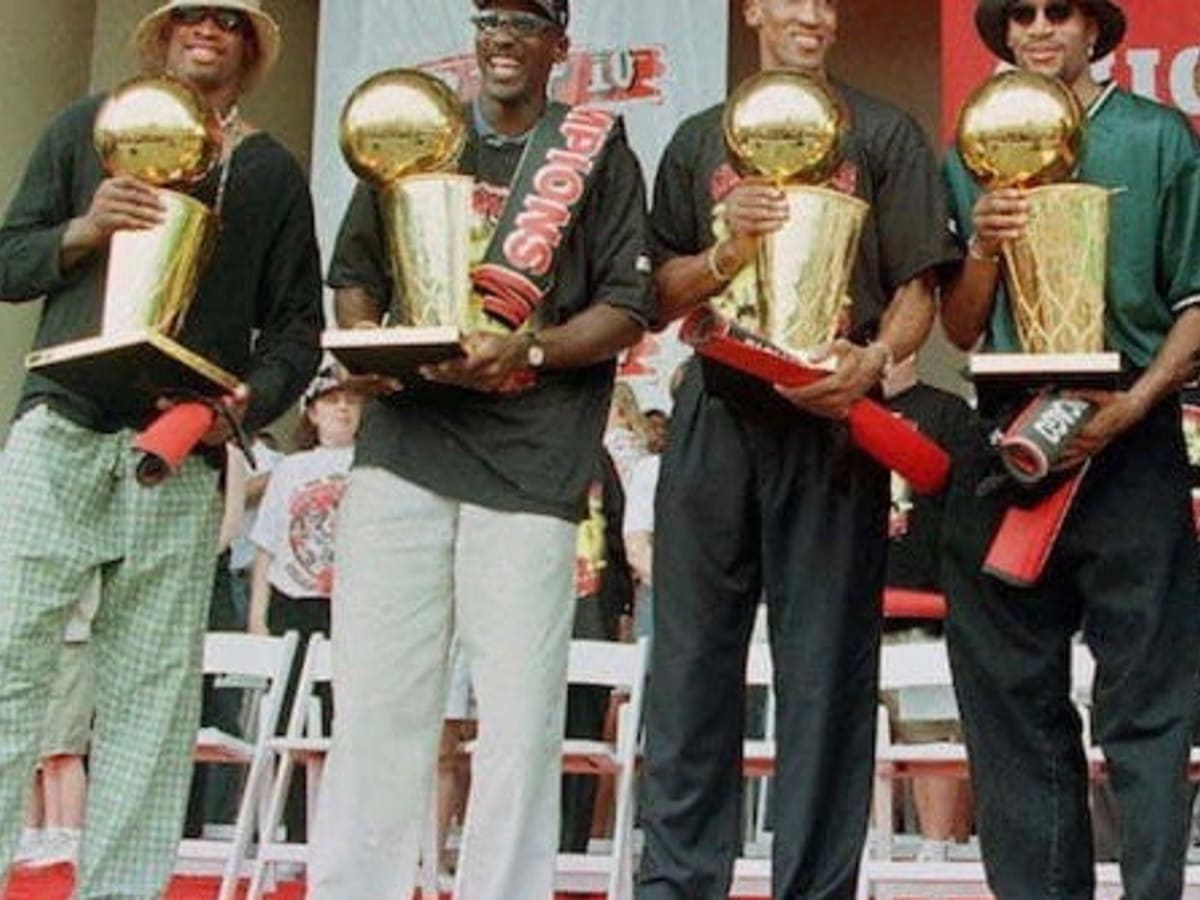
x=1158, y=57
x=653, y=63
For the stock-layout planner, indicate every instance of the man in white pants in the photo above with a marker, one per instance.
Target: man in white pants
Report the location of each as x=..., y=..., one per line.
x=462, y=507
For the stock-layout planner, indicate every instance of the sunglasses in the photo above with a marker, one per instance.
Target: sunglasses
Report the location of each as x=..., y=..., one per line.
x=230, y=21
x=519, y=24
x=1056, y=13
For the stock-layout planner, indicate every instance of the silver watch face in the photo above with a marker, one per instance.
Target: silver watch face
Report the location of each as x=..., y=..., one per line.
x=535, y=356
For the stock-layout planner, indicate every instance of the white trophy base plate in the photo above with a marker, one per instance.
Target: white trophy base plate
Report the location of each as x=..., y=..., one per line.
x=1100, y=370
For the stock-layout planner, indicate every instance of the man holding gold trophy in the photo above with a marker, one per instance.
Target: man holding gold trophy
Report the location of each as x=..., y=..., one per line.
x=762, y=491
x=1112, y=515
x=239, y=324
x=462, y=507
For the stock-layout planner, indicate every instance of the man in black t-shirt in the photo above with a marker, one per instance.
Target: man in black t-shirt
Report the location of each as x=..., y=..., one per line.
x=74, y=510
x=462, y=506
x=760, y=493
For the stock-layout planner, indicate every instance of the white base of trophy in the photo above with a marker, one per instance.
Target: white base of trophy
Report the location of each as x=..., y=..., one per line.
x=1083, y=370
x=126, y=374
x=395, y=352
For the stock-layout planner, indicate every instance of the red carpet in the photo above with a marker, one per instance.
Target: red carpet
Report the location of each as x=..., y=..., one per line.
x=55, y=883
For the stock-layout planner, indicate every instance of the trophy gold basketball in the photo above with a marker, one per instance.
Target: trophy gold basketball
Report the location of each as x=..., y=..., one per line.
x=402, y=132
x=788, y=128
x=1025, y=130
x=159, y=131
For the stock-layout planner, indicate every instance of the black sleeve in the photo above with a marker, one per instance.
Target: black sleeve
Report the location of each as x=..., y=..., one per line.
x=31, y=236
x=287, y=349
x=910, y=207
x=360, y=257
x=672, y=221
x=615, y=233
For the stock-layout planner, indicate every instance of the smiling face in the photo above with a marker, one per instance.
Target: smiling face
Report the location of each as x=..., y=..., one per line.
x=516, y=48
x=1051, y=37
x=207, y=55
x=335, y=416
x=793, y=34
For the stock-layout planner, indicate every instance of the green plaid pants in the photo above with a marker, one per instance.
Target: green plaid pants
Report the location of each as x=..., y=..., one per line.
x=71, y=508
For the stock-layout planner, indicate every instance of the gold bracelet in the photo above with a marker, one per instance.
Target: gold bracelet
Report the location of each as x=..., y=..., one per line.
x=974, y=252
x=713, y=269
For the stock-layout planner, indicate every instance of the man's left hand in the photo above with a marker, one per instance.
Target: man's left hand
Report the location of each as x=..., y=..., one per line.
x=491, y=362
x=235, y=404
x=858, y=370
x=1116, y=413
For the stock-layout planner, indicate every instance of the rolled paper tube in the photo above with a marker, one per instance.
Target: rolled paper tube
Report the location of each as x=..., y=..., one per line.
x=885, y=437
x=1033, y=444
x=901, y=603
x=1025, y=539
x=168, y=440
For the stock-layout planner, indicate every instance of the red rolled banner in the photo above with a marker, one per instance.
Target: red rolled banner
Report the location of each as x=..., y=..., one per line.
x=1033, y=444
x=885, y=437
x=902, y=603
x=168, y=440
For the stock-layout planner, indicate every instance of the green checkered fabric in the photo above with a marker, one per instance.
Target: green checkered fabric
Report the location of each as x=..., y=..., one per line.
x=73, y=507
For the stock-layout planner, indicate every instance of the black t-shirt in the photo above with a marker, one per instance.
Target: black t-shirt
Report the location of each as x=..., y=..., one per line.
x=888, y=164
x=533, y=451
x=257, y=308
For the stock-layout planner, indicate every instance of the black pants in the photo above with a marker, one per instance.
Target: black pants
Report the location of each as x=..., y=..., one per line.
x=1124, y=570
x=308, y=616
x=749, y=507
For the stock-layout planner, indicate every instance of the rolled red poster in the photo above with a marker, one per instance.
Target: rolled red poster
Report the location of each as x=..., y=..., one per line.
x=168, y=440
x=882, y=435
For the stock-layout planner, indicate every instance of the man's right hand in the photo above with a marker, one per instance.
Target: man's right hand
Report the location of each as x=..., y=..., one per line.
x=752, y=209
x=120, y=203
x=368, y=385
x=999, y=216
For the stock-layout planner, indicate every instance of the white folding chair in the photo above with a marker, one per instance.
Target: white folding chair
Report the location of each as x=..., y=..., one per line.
x=752, y=876
x=621, y=667
x=303, y=743
x=242, y=660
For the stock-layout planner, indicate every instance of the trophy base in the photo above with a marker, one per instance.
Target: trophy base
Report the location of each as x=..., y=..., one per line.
x=394, y=352
x=1076, y=370
x=127, y=374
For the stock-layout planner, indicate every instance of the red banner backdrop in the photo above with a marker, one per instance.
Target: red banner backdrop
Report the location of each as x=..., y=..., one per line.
x=1158, y=58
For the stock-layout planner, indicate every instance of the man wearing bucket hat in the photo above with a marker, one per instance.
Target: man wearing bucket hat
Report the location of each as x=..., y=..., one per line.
x=463, y=504
x=73, y=507
x=1124, y=567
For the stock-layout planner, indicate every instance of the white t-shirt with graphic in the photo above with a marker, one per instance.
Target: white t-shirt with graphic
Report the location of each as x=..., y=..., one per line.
x=296, y=520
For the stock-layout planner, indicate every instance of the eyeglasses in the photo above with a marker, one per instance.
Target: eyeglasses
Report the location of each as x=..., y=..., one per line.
x=229, y=21
x=1056, y=13
x=519, y=24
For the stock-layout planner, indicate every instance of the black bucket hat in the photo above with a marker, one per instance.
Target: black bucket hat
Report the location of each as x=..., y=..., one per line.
x=991, y=19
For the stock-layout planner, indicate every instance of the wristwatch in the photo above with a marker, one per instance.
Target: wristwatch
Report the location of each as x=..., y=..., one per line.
x=535, y=353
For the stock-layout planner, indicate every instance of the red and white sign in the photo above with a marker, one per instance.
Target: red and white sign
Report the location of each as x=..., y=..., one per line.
x=1158, y=58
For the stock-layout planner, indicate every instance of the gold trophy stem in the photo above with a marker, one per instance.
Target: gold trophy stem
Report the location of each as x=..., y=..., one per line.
x=153, y=273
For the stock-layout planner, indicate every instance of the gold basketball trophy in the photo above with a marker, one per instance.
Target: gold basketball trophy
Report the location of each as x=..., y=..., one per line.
x=159, y=131
x=402, y=131
x=788, y=128
x=1024, y=130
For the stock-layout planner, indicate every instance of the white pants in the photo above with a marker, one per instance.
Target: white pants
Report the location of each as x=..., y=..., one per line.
x=411, y=567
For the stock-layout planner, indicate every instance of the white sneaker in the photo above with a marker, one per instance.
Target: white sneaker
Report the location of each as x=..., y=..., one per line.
x=60, y=845
x=932, y=851
x=30, y=846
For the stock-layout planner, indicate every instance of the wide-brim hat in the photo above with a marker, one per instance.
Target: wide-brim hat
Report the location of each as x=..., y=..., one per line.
x=151, y=49
x=991, y=19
